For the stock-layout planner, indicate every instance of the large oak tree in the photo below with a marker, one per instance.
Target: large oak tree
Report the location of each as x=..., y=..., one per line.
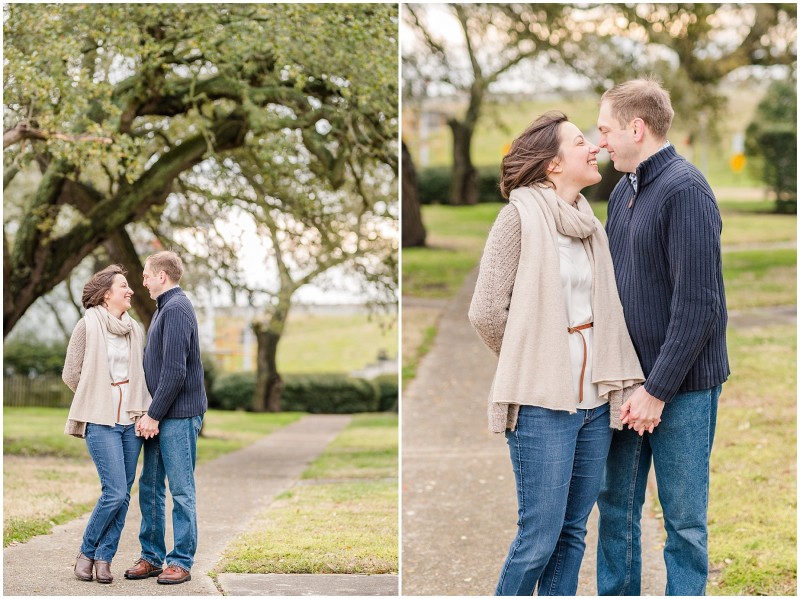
x=115, y=115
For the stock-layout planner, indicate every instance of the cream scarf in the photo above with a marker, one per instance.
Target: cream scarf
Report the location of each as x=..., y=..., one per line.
x=92, y=401
x=534, y=362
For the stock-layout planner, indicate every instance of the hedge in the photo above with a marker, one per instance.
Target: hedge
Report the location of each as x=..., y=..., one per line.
x=434, y=184
x=313, y=393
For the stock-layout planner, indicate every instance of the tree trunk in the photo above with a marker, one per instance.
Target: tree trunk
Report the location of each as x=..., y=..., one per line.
x=413, y=228
x=464, y=182
x=38, y=262
x=122, y=251
x=269, y=385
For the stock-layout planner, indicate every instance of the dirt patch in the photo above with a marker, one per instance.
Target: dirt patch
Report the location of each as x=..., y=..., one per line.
x=416, y=320
x=43, y=487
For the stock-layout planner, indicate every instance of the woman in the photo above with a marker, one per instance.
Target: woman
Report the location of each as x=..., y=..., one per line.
x=104, y=369
x=545, y=297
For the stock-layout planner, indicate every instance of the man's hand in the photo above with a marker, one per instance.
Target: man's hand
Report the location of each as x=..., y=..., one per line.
x=642, y=412
x=147, y=427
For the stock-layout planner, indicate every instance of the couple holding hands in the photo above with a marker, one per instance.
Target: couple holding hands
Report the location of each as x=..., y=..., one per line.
x=129, y=396
x=610, y=343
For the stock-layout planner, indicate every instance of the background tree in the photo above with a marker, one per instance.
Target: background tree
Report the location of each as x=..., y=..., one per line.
x=773, y=136
x=493, y=45
x=413, y=228
x=692, y=48
x=109, y=108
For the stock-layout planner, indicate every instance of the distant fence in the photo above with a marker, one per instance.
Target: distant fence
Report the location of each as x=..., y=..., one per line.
x=46, y=391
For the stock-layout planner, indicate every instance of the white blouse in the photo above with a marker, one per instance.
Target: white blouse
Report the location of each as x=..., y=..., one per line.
x=576, y=283
x=119, y=350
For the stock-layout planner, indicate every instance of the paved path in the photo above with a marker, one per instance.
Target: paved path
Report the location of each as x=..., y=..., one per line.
x=459, y=498
x=232, y=490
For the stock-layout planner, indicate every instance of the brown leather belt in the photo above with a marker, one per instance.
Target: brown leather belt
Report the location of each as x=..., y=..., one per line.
x=125, y=382
x=578, y=330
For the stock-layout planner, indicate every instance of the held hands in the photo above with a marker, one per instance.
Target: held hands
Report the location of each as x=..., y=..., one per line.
x=642, y=412
x=147, y=427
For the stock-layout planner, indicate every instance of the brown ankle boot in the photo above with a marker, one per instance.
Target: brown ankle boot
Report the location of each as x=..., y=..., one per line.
x=83, y=567
x=103, y=572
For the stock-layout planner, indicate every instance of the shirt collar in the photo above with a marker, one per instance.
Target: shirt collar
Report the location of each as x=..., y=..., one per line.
x=165, y=297
x=632, y=176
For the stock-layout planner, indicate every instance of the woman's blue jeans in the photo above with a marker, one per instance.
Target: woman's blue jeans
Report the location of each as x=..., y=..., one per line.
x=680, y=450
x=171, y=454
x=558, y=461
x=115, y=451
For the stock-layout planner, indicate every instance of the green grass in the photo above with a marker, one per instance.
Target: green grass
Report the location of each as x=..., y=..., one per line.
x=20, y=530
x=36, y=434
x=322, y=343
x=753, y=501
x=412, y=356
x=756, y=278
x=366, y=449
x=39, y=432
x=456, y=240
x=742, y=225
x=342, y=518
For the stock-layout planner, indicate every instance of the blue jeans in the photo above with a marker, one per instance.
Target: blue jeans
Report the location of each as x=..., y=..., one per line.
x=170, y=454
x=680, y=450
x=558, y=463
x=115, y=451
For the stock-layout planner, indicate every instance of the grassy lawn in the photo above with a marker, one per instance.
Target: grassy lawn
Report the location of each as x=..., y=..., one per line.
x=49, y=478
x=334, y=343
x=753, y=500
x=456, y=236
x=341, y=518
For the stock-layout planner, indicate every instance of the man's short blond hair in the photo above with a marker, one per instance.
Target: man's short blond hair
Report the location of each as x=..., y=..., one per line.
x=169, y=262
x=642, y=98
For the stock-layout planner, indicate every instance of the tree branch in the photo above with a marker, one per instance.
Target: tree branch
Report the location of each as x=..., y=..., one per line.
x=23, y=131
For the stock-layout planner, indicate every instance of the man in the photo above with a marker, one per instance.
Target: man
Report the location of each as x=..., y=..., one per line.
x=174, y=375
x=664, y=231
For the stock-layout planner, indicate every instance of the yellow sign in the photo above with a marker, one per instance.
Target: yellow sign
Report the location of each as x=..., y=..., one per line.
x=737, y=163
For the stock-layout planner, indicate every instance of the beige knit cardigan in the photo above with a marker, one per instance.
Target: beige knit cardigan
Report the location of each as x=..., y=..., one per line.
x=489, y=312
x=91, y=382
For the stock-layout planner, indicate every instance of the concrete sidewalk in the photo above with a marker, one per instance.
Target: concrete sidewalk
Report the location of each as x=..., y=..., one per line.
x=459, y=495
x=232, y=490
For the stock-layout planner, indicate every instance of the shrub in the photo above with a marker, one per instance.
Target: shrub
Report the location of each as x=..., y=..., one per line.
x=313, y=393
x=33, y=358
x=233, y=391
x=389, y=392
x=434, y=184
x=773, y=135
x=329, y=394
x=209, y=373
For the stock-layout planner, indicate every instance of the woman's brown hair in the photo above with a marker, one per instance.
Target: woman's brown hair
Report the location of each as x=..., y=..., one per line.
x=527, y=160
x=95, y=290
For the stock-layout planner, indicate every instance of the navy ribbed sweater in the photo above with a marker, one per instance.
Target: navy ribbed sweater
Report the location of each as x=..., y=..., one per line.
x=667, y=259
x=172, y=366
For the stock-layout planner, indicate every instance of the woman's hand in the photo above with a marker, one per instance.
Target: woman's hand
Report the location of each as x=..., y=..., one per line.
x=147, y=427
x=642, y=412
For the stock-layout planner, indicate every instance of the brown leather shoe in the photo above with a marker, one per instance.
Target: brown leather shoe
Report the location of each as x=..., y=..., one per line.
x=174, y=575
x=142, y=569
x=83, y=567
x=103, y=572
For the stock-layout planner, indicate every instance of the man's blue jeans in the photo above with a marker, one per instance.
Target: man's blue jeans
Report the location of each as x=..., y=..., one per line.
x=171, y=454
x=680, y=450
x=558, y=461
x=115, y=451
